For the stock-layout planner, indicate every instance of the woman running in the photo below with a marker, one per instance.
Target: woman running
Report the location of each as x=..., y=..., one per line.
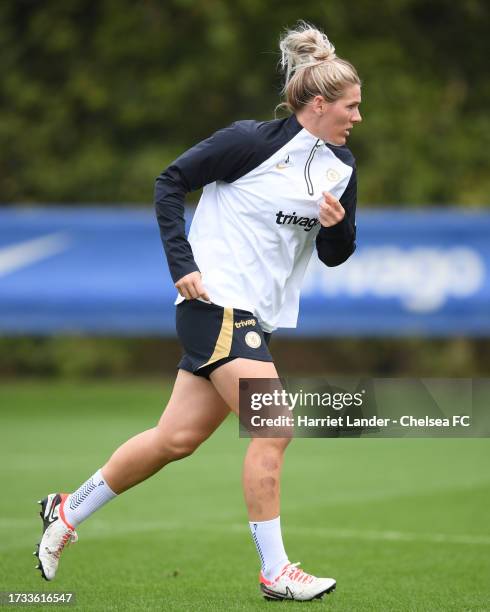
x=274, y=191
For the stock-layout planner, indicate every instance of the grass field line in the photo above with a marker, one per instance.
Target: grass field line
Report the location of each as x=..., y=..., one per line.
x=106, y=529
x=396, y=536
x=328, y=532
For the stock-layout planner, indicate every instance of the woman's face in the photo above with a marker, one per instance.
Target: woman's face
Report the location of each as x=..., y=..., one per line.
x=339, y=117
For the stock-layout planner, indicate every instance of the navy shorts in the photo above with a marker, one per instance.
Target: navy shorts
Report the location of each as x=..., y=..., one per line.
x=212, y=335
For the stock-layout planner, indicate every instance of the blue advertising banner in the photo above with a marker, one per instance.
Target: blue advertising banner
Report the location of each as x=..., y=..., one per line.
x=103, y=271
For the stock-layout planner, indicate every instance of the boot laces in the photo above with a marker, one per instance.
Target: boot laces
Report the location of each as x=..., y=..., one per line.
x=296, y=574
x=69, y=537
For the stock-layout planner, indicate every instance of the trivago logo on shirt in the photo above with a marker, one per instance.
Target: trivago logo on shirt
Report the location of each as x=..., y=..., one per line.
x=287, y=219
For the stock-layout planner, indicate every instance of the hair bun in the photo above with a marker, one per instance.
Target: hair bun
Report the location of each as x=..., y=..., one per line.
x=312, y=68
x=324, y=55
x=303, y=47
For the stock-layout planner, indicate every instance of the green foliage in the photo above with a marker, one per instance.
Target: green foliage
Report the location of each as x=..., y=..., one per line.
x=95, y=357
x=98, y=97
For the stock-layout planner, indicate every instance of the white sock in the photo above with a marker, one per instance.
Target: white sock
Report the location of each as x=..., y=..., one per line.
x=268, y=540
x=88, y=498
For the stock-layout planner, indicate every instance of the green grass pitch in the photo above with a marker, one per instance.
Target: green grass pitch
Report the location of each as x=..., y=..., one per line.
x=402, y=524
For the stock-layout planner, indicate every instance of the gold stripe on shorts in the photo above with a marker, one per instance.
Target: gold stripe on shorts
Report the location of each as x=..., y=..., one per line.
x=223, y=344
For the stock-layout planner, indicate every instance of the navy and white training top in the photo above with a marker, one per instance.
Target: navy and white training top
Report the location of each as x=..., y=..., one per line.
x=256, y=224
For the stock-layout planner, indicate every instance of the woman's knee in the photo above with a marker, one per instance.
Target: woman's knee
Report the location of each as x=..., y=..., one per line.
x=175, y=445
x=276, y=445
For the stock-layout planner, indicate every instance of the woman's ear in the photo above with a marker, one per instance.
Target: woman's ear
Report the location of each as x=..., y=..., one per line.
x=319, y=105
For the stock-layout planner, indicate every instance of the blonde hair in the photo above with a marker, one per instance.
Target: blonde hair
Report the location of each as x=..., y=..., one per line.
x=312, y=68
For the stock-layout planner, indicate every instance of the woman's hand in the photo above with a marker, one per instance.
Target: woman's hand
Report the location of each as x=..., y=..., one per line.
x=331, y=210
x=190, y=286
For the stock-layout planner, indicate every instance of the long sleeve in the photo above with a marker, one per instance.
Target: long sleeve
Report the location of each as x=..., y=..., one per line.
x=220, y=157
x=337, y=243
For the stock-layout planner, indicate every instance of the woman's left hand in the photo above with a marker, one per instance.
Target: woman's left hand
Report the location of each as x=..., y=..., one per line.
x=331, y=210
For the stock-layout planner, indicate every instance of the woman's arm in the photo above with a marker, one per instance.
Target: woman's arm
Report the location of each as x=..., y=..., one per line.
x=335, y=244
x=216, y=158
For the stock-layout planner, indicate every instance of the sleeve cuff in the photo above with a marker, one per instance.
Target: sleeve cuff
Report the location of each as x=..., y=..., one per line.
x=182, y=270
x=340, y=231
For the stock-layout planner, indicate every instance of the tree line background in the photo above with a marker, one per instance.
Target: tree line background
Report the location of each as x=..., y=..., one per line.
x=98, y=97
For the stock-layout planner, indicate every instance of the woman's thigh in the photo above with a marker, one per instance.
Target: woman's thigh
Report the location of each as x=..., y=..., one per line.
x=226, y=378
x=194, y=411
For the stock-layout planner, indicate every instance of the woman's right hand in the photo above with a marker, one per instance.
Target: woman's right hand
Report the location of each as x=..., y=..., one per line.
x=190, y=287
